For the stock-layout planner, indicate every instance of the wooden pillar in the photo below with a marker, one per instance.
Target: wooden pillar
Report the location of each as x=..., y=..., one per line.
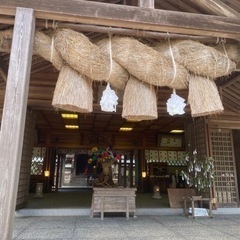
x=14, y=115
x=146, y=3
x=58, y=173
x=130, y=168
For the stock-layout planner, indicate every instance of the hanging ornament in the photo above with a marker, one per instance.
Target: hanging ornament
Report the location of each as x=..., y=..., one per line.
x=109, y=100
x=175, y=104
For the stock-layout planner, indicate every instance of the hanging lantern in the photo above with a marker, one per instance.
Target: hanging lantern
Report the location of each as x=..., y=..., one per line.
x=175, y=104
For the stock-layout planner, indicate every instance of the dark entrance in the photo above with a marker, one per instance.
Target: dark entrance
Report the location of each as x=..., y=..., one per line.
x=81, y=163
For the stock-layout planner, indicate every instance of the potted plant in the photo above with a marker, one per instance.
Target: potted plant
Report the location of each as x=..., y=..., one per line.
x=200, y=172
x=199, y=176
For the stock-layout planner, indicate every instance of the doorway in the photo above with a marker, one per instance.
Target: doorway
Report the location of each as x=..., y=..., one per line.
x=81, y=162
x=73, y=171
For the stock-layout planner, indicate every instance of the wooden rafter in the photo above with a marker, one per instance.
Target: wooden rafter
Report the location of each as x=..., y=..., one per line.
x=217, y=7
x=234, y=97
x=228, y=104
x=230, y=82
x=128, y=17
x=184, y=6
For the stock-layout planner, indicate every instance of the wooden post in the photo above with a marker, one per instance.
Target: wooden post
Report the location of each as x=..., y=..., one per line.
x=14, y=115
x=130, y=169
x=146, y=3
x=58, y=171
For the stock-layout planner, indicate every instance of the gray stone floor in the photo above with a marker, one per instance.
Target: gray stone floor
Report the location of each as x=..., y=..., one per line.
x=117, y=227
x=65, y=215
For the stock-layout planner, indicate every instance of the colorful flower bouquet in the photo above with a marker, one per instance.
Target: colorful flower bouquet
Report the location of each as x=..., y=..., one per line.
x=104, y=159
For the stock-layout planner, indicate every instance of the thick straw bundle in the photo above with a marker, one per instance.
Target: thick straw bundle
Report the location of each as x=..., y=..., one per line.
x=73, y=92
x=203, y=97
x=118, y=75
x=232, y=51
x=83, y=56
x=139, y=101
x=44, y=47
x=148, y=65
x=198, y=58
x=6, y=40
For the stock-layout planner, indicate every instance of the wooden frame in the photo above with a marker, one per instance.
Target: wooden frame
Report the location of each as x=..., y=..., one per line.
x=129, y=17
x=170, y=140
x=14, y=116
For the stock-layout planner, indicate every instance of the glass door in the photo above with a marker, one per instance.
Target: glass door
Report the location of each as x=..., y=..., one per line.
x=127, y=170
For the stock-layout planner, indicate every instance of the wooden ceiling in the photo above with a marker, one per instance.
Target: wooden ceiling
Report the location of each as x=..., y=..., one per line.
x=203, y=20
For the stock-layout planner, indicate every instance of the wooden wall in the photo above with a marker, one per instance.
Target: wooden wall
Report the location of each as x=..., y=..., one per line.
x=224, y=143
x=229, y=120
x=222, y=151
x=89, y=140
x=196, y=136
x=236, y=140
x=24, y=177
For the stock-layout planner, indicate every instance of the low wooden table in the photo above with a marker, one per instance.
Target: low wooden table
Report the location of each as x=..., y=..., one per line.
x=194, y=199
x=113, y=200
x=176, y=196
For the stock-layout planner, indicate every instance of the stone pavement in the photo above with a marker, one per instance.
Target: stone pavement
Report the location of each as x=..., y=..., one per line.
x=142, y=227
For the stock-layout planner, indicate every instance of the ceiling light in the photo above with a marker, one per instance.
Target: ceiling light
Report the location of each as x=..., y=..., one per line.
x=72, y=126
x=126, y=129
x=177, y=131
x=69, y=116
x=133, y=120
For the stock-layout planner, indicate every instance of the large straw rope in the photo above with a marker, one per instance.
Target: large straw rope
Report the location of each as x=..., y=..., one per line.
x=204, y=98
x=83, y=56
x=73, y=92
x=139, y=101
x=146, y=64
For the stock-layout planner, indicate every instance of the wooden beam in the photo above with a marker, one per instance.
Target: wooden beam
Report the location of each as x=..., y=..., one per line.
x=14, y=114
x=217, y=7
x=115, y=15
x=6, y=45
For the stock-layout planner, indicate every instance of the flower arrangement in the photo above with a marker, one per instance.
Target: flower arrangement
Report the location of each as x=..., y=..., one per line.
x=104, y=158
x=200, y=171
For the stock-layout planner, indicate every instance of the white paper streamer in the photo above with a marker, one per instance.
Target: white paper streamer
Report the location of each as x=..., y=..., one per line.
x=175, y=104
x=109, y=100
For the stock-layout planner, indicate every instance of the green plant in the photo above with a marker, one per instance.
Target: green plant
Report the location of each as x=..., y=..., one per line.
x=200, y=171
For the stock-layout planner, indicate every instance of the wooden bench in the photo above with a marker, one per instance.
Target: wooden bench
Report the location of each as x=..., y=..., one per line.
x=192, y=201
x=113, y=200
x=176, y=196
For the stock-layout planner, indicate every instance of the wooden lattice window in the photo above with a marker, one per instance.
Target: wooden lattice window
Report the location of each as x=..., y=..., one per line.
x=195, y=135
x=37, y=163
x=225, y=170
